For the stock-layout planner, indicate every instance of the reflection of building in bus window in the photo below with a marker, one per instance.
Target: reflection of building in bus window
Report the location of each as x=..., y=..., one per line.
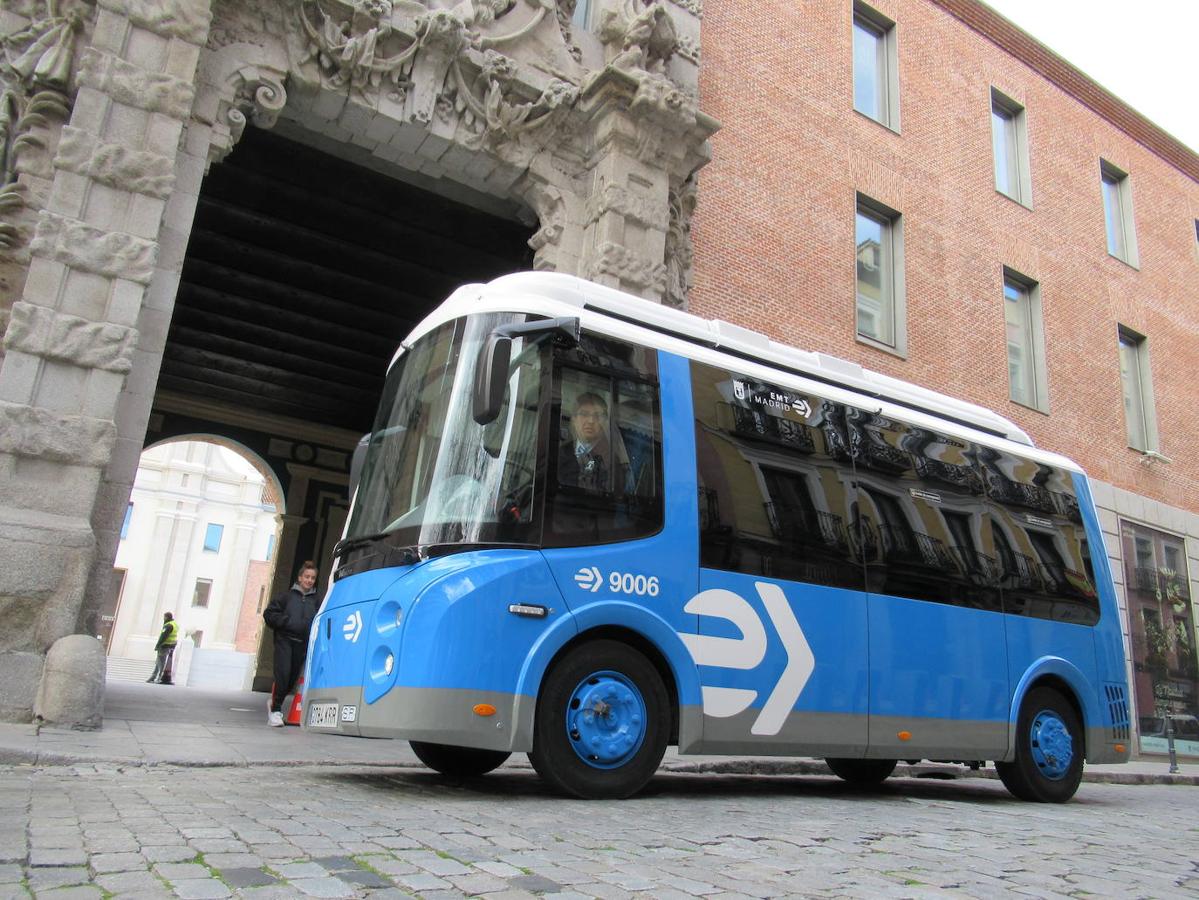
x=587, y=458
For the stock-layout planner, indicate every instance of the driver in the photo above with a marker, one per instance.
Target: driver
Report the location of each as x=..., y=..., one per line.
x=585, y=460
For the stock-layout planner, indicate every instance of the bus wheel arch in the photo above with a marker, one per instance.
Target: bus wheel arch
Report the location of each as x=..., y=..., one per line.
x=1049, y=745
x=1068, y=691
x=600, y=726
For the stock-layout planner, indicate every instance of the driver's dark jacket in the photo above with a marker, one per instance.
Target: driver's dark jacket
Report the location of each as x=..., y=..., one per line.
x=290, y=614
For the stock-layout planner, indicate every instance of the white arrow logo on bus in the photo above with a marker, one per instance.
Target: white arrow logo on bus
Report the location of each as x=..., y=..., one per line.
x=353, y=626
x=589, y=579
x=747, y=651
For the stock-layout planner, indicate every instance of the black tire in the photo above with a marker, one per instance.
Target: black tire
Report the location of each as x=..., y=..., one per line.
x=458, y=762
x=1049, y=749
x=560, y=758
x=865, y=772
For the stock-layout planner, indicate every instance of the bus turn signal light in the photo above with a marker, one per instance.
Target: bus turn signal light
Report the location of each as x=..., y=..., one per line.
x=1120, y=748
x=904, y=735
x=484, y=709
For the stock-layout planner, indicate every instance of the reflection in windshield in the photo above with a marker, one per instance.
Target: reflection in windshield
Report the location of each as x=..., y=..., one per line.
x=434, y=476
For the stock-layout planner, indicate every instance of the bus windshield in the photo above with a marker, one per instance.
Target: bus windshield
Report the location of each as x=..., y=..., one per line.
x=432, y=475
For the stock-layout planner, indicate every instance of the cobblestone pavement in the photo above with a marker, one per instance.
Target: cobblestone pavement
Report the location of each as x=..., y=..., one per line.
x=103, y=831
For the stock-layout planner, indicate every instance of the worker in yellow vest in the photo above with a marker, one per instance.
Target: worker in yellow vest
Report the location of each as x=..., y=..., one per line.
x=166, y=650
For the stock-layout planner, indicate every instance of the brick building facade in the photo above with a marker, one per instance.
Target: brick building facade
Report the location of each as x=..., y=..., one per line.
x=938, y=86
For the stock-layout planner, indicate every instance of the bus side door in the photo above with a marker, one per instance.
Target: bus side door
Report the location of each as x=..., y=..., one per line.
x=938, y=663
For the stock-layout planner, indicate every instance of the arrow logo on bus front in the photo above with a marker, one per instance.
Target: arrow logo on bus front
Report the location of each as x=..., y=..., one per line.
x=589, y=579
x=353, y=626
x=748, y=651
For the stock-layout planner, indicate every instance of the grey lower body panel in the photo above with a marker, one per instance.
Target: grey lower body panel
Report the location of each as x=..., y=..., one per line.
x=434, y=715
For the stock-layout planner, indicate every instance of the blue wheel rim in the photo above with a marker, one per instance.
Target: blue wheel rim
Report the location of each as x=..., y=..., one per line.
x=605, y=720
x=1051, y=744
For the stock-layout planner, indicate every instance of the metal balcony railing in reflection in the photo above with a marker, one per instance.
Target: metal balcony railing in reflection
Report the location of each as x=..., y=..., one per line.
x=794, y=525
x=965, y=477
x=795, y=435
x=901, y=544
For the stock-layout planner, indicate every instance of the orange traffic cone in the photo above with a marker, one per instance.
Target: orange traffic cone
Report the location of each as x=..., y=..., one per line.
x=297, y=705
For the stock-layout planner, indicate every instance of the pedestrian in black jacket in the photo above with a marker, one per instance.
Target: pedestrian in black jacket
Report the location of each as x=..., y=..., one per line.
x=290, y=616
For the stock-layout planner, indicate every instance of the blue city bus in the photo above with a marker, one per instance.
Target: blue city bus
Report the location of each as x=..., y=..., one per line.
x=589, y=526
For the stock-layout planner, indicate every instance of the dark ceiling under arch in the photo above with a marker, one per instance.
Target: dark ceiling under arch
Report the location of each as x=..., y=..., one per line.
x=303, y=273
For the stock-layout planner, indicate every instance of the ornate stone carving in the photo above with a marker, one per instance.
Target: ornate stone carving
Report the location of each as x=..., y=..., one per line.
x=135, y=86
x=112, y=253
x=679, y=252
x=628, y=266
x=688, y=49
x=626, y=203
x=115, y=164
x=39, y=433
x=353, y=50
x=44, y=332
x=488, y=111
x=34, y=72
x=184, y=19
x=565, y=15
x=257, y=97
x=640, y=39
x=695, y=7
x=549, y=204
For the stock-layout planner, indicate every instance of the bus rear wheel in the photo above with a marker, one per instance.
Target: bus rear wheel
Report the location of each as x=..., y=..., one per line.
x=1049, y=749
x=602, y=722
x=458, y=762
x=862, y=771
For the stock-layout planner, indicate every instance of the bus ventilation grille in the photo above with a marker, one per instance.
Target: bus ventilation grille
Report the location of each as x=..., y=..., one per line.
x=1117, y=706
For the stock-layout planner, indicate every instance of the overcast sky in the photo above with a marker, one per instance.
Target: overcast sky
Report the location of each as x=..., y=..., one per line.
x=1143, y=51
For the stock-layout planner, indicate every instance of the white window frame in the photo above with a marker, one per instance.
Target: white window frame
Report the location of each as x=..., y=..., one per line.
x=1020, y=178
x=1136, y=388
x=887, y=68
x=1118, y=221
x=892, y=283
x=1034, y=338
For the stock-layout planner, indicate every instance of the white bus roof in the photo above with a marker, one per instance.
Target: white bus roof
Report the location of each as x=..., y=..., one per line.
x=646, y=322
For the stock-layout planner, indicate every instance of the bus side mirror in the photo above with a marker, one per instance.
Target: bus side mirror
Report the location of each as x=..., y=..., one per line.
x=491, y=377
x=356, y=462
x=495, y=356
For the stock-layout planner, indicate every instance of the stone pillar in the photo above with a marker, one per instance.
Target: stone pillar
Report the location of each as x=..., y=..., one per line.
x=81, y=319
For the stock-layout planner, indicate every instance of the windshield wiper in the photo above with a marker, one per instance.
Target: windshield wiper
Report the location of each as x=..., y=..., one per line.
x=362, y=540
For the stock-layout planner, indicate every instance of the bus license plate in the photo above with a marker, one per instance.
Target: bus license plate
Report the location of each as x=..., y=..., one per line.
x=322, y=715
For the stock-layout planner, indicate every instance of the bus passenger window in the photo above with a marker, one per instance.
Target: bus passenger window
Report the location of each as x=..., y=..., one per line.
x=607, y=462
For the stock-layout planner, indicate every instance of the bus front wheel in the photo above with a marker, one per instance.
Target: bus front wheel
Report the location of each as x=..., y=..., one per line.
x=458, y=762
x=602, y=722
x=862, y=771
x=1049, y=749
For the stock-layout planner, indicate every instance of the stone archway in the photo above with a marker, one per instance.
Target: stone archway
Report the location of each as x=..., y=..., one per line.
x=114, y=111
x=200, y=541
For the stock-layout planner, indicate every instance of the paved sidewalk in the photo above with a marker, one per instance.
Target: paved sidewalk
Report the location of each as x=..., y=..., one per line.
x=150, y=725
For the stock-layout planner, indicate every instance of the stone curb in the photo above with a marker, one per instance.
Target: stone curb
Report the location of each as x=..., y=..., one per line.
x=22, y=757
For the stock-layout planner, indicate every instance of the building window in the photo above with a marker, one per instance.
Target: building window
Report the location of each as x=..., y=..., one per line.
x=212, y=538
x=1139, y=419
x=1025, y=341
x=200, y=594
x=1117, y=213
x=878, y=237
x=875, y=67
x=125, y=523
x=581, y=17
x=1009, y=144
x=270, y=547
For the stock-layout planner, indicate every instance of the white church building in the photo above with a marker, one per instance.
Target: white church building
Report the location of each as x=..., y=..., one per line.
x=198, y=541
